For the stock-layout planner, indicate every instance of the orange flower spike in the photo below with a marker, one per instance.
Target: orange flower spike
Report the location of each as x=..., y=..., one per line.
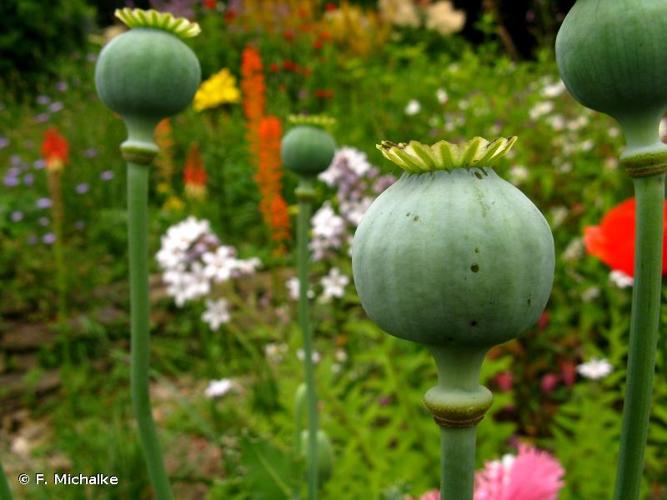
x=194, y=174
x=55, y=150
x=268, y=177
x=613, y=241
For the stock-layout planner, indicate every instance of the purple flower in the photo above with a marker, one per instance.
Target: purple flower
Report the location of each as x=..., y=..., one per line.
x=82, y=188
x=32, y=239
x=43, y=100
x=62, y=86
x=16, y=161
x=41, y=118
x=28, y=179
x=107, y=175
x=90, y=153
x=48, y=238
x=43, y=221
x=10, y=180
x=16, y=216
x=39, y=164
x=54, y=107
x=4, y=142
x=80, y=225
x=44, y=203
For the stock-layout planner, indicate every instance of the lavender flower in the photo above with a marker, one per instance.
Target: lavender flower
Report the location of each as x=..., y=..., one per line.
x=49, y=238
x=62, y=86
x=56, y=106
x=4, y=142
x=90, y=153
x=39, y=164
x=10, y=180
x=42, y=118
x=43, y=100
x=107, y=175
x=28, y=179
x=44, y=203
x=43, y=221
x=16, y=216
x=82, y=188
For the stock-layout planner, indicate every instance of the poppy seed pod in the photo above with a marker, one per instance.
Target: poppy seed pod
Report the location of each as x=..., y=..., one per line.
x=307, y=150
x=324, y=463
x=135, y=74
x=612, y=58
x=452, y=255
x=148, y=73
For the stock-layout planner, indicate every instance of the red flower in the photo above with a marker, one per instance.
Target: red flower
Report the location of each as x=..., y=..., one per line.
x=324, y=93
x=210, y=4
x=230, y=15
x=55, y=149
x=330, y=7
x=568, y=372
x=194, y=174
x=543, y=322
x=290, y=65
x=613, y=241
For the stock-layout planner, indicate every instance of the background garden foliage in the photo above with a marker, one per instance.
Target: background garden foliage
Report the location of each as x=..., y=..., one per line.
x=235, y=440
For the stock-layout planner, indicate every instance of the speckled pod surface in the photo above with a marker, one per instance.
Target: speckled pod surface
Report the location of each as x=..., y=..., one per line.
x=456, y=258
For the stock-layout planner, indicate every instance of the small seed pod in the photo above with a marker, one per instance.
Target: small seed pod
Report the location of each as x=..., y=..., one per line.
x=324, y=454
x=451, y=255
x=148, y=73
x=612, y=59
x=308, y=149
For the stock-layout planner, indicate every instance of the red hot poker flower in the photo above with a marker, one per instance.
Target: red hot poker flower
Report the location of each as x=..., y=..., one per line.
x=55, y=149
x=613, y=241
x=194, y=174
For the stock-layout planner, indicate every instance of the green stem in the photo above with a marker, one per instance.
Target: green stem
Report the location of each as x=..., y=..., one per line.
x=457, y=403
x=5, y=492
x=57, y=212
x=650, y=196
x=458, y=463
x=304, y=193
x=137, y=201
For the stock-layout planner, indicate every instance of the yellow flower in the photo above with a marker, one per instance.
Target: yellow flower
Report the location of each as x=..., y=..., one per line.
x=173, y=204
x=219, y=89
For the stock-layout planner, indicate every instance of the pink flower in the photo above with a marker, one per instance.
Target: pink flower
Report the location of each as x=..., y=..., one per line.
x=549, y=382
x=504, y=381
x=531, y=475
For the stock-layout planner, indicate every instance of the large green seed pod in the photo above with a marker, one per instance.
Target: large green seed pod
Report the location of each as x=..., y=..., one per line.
x=453, y=257
x=307, y=150
x=135, y=74
x=612, y=58
x=148, y=73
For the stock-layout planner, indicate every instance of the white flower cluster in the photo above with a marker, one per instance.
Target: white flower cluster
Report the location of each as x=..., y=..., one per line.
x=218, y=388
x=357, y=183
x=193, y=262
x=595, y=369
